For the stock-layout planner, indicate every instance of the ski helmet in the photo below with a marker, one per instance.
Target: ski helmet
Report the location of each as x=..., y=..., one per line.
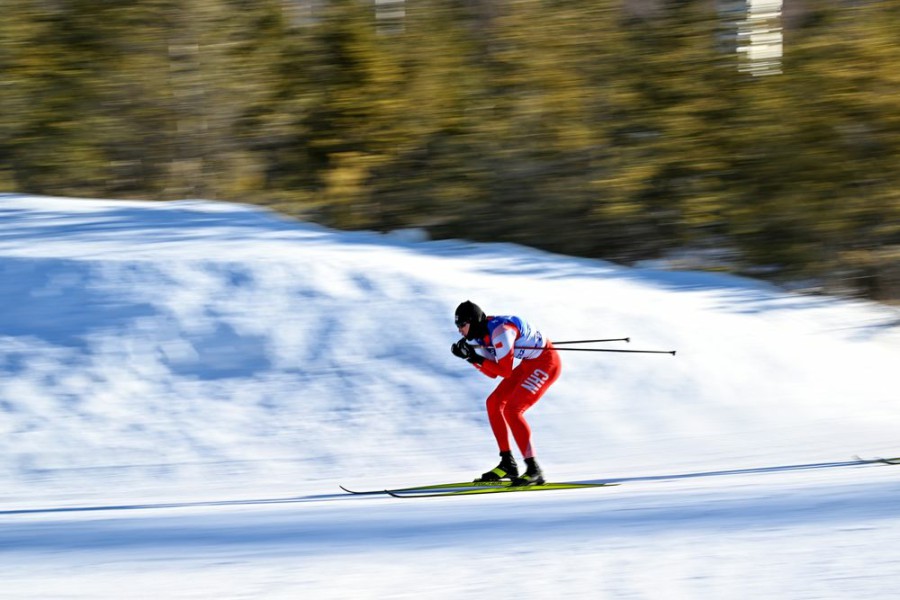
x=471, y=313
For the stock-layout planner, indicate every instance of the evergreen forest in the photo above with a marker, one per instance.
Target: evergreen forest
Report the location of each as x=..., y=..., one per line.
x=575, y=126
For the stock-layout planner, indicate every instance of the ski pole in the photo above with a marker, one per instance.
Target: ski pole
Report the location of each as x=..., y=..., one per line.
x=593, y=341
x=672, y=352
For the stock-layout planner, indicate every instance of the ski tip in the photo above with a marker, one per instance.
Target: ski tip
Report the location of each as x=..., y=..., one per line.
x=356, y=493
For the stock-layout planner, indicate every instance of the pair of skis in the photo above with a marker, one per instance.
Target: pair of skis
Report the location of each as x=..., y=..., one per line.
x=471, y=488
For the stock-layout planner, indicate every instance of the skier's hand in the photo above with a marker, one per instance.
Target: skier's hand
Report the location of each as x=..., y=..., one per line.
x=466, y=352
x=460, y=348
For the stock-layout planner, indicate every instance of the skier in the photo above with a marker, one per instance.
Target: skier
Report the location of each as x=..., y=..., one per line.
x=492, y=344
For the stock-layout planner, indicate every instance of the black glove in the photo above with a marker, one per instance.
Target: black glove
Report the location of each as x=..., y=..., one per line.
x=467, y=352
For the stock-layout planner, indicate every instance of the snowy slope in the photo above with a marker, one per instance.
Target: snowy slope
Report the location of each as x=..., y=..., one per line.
x=183, y=385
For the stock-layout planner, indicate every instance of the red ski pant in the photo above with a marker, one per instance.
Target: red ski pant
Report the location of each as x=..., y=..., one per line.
x=517, y=393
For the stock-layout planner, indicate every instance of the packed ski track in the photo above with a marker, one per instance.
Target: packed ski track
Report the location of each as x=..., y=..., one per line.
x=185, y=386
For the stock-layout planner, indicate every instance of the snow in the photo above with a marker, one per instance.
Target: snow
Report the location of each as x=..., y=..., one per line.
x=184, y=385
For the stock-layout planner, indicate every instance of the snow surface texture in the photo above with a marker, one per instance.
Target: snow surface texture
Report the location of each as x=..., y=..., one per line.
x=184, y=385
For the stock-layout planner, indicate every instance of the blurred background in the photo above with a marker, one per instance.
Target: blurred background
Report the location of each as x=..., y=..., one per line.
x=752, y=136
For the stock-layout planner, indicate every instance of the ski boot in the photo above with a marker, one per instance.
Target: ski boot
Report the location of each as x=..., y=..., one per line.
x=507, y=469
x=532, y=475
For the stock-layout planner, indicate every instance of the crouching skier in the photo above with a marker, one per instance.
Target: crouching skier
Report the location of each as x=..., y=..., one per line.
x=492, y=344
